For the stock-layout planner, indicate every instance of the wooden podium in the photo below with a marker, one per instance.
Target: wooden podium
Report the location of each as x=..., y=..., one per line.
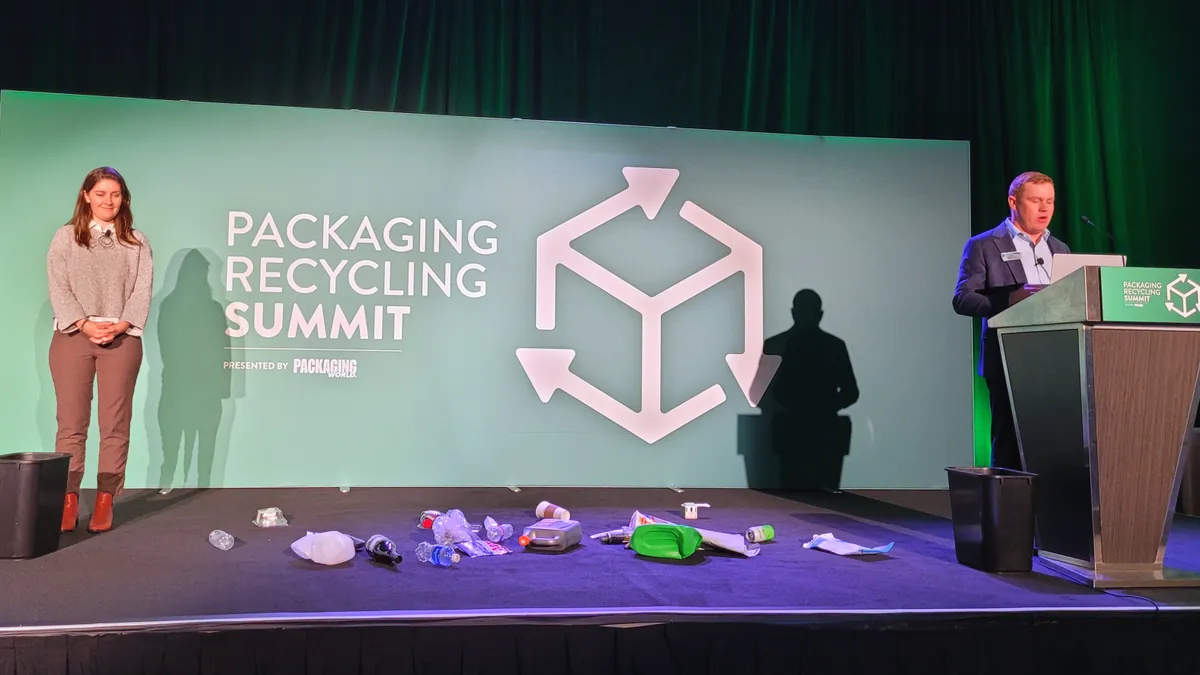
x=1102, y=370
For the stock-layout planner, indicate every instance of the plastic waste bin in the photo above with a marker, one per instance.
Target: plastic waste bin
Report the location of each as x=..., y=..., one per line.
x=32, y=488
x=992, y=512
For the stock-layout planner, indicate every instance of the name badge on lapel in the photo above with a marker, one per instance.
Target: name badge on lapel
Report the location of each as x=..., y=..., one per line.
x=1008, y=256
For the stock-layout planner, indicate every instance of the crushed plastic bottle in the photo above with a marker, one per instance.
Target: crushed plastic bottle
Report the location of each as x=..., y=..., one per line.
x=221, y=539
x=441, y=556
x=495, y=531
x=451, y=528
x=425, y=522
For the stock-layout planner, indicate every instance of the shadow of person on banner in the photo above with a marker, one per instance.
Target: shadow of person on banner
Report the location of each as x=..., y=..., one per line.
x=801, y=439
x=196, y=392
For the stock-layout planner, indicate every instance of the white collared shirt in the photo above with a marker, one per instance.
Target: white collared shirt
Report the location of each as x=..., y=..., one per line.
x=1035, y=273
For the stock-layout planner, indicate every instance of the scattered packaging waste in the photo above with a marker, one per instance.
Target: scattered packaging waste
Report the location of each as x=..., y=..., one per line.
x=551, y=511
x=495, y=531
x=325, y=548
x=221, y=539
x=620, y=536
x=382, y=550
x=270, y=517
x=734, y=543
x=451, y=528
x=552, y=534
x=425, y=522
x=554, y=531
x=760, y=533
x=691, y=510
x=665, y=541
x=639, y=518
x=830, y=543
x=439, y=556
x=477, y=548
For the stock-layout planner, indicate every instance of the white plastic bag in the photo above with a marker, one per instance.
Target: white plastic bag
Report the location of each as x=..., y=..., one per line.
x=325, y=548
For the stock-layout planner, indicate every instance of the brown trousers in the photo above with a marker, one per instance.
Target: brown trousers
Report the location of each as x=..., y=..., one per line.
x=77, y=365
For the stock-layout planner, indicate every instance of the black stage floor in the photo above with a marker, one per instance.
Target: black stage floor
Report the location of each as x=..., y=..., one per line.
x=157, y=572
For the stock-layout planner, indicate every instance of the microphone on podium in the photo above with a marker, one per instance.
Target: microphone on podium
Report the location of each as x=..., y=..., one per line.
x=1088, y=221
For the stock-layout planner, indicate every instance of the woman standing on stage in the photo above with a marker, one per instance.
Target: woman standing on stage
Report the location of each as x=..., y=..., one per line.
x=101, y=273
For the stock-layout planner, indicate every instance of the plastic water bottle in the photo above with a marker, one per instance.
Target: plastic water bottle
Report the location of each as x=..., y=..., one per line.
x=221, y=539
x=495, y=531
x=441, y=556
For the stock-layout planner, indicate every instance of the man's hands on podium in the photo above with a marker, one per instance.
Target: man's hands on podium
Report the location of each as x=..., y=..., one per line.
x=1023, y=292
x=1003, y=297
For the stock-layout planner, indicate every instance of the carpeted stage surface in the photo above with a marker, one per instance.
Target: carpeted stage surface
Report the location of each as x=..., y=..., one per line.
x=158, y=564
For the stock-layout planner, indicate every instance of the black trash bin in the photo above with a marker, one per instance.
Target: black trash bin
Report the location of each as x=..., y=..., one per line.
x=992, y=511
x=33, y=486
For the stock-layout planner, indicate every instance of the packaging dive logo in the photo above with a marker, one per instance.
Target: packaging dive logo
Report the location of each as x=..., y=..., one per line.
x=1187, y=292
x=550, y=369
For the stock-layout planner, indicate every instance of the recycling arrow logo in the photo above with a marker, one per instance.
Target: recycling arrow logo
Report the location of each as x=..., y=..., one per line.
x=549, y=370
x=1183, y=289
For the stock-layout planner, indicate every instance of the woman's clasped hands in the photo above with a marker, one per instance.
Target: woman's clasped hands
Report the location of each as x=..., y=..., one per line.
x=103, y=332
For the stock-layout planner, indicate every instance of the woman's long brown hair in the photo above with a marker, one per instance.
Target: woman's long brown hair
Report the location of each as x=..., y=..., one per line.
x=82, y=220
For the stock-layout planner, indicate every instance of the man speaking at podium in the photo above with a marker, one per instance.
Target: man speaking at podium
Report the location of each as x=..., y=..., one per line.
x=1010, y=257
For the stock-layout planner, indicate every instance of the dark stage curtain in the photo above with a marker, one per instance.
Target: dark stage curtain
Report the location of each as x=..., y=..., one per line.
x=1101, y=94
x=1098, y=93
x=1158, y=643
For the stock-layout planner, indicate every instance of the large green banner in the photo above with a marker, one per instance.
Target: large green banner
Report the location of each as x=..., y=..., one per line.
x=356, y=298
x=1149, y=295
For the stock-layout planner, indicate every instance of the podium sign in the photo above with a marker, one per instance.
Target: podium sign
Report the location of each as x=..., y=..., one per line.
x=1149, y=295
x=1102, y=371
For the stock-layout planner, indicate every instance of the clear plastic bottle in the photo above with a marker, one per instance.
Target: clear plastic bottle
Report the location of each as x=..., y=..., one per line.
x=221, y=539
x=495, y=531
x=442, y=556
x=451, y=528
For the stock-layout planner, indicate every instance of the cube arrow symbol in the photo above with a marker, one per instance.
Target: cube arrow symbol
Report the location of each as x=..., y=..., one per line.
x=549, y=370
x=1183, y=288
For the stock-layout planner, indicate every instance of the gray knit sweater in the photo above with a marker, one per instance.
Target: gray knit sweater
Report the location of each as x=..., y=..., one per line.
x=109, y=282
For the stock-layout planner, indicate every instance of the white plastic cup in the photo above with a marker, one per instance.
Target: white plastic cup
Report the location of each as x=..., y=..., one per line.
x=553, y=511
x=691, y=510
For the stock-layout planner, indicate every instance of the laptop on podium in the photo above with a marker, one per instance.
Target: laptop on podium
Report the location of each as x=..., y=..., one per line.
x=1065, y=263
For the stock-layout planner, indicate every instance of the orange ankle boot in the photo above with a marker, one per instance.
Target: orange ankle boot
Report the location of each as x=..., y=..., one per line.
x=102, y=514
x=70, y=512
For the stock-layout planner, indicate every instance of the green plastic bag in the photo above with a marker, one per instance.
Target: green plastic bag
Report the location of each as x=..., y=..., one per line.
x=665, y=541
